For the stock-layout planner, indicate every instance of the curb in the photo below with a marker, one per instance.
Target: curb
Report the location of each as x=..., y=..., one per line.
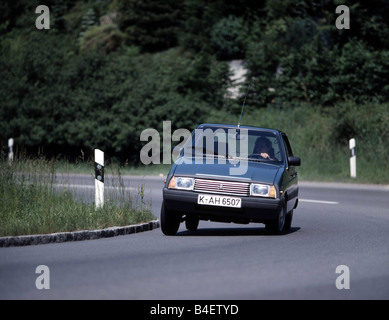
x=77, y=235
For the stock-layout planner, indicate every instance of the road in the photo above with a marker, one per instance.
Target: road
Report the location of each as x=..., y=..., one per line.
x=334, y=225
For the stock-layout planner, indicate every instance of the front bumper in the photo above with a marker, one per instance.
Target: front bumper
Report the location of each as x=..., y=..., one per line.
x=254, y=209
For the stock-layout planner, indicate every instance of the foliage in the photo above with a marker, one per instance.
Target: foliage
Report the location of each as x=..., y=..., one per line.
x=107, y=37
x=228, y=38
x=150, y=24
x=85, y=83
x=68, y=102
x=88, y=21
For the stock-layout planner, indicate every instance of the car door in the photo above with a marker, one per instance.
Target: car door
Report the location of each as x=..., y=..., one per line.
x=291, y=186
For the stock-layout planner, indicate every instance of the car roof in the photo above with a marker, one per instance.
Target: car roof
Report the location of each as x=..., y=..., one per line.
x=237, y=127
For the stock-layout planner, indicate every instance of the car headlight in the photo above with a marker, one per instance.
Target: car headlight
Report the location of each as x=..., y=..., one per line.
x=263, y=190
x=181, y=183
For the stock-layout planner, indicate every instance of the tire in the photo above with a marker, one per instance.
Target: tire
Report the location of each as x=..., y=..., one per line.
x=170, y=221
x=192, y=222
x=288, y=221
x=276, y=226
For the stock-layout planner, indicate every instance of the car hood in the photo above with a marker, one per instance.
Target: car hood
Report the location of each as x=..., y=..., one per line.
x=226, y=170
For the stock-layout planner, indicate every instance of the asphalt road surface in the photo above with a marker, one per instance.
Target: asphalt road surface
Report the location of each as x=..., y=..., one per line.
x=335, y=226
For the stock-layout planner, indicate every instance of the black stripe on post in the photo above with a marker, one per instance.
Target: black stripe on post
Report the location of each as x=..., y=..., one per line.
x=99, y=172
x=352, y=152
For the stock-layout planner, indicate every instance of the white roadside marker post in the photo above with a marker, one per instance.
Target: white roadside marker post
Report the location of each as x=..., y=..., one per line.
x=353, y=159
x=11, y=152
x=99, y=178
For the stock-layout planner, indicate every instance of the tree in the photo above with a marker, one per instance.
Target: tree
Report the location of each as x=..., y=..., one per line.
x=228, y=37
x=152, y=25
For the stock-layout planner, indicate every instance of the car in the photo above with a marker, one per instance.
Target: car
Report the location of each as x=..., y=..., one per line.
x=232, y=173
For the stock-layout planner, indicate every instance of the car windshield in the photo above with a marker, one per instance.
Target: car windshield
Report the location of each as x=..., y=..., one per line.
x=233, y=143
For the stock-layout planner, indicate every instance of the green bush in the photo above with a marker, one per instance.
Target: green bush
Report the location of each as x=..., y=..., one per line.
x=107, y=38
x=228, y=37
x=68, y=102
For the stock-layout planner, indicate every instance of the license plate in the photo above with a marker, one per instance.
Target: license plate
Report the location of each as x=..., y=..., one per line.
x=221, y=201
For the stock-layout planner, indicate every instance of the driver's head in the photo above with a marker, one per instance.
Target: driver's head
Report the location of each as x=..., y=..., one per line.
x=262, y=145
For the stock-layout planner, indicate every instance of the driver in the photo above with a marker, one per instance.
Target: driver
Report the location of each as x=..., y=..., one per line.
x=263, y=148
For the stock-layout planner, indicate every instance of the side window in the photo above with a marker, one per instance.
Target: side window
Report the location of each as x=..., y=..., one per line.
x=288, y=149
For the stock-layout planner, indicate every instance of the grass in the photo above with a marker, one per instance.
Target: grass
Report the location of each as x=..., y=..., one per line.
x=31, y=203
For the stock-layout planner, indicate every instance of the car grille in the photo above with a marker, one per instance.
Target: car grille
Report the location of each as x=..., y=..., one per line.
x=222, y=187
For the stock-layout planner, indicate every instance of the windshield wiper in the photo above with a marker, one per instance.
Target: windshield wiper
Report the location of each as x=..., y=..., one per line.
x=247, y=159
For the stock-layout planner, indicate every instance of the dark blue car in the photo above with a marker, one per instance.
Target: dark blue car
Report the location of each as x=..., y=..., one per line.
x=230, y=173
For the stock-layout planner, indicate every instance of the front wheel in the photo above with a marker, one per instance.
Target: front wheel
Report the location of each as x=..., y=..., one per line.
x=192, y=222
x=276, y=226
x=288, y=221
x=170, y=221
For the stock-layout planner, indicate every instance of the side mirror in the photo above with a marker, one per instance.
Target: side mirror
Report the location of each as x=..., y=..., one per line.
x=294, y=161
